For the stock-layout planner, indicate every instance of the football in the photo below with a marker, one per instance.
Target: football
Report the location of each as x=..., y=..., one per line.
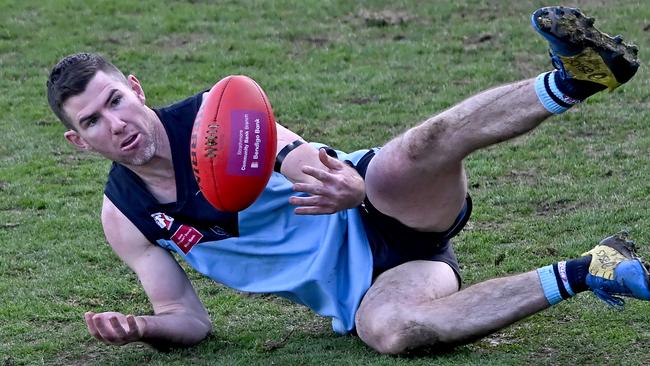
x=233, y=143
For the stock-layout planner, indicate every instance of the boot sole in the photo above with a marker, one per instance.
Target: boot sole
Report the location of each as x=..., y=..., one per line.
x=571, y=26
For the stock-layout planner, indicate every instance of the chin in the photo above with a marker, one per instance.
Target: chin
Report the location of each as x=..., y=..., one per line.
x=143, y=157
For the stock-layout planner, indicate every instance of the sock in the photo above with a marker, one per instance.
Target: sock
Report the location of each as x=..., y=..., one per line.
x=550, y=96
x=563, y=280
x=574, y=88
x=558, y=93
x=576, y=272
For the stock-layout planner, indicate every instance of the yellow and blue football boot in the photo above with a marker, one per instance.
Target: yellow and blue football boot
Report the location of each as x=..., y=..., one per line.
x=581, y=51
x=616, y=270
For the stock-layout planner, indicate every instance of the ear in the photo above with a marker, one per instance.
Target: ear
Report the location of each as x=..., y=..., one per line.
x=134, y=83
x=73, y=137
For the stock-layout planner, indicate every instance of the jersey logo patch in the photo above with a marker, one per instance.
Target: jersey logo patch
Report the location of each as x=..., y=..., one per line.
x=186, y=237
x=162, y=220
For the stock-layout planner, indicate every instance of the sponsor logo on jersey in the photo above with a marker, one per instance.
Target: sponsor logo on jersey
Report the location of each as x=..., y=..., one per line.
x=186, y=237
x=163, y=220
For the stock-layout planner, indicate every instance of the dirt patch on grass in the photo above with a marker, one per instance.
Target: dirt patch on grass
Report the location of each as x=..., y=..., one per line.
x=382, y=18
x=73, y=157
x=523, y=177
x=362, y=100
x=558, y=207
x=303, y=43
x=84, y=302
x=499, y=339
x=124, y=39
x=476, y=41
x=544, y=353
x=486, y=226
x=316, y=41
x=491, y=10
x=504, y=337
x=548, y=252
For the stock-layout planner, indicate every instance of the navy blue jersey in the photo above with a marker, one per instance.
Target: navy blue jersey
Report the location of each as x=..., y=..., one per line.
x=126, y=189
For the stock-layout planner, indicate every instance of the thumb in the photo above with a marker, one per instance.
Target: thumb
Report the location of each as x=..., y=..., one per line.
x=88, y=315
x=327, y=160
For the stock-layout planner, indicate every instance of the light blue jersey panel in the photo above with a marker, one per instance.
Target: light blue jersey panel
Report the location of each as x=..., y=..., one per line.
x=321, y=261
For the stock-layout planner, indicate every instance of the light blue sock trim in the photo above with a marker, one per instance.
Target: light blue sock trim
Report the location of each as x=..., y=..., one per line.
x=549, y=284
x=544, y=97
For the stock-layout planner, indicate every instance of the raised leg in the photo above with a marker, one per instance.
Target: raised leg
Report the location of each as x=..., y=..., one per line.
x=418, y=177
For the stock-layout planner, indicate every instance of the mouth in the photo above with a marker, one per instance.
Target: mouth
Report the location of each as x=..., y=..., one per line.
x=129, y=142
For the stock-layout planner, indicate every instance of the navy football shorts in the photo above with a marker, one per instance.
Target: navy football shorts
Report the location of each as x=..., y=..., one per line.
x=393, y=243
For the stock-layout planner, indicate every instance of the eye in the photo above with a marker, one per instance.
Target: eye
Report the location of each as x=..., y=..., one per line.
x=91, y=121
x=115, y=101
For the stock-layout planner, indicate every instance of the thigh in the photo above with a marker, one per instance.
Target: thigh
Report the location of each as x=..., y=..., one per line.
x=424, y=199
x=413, y=282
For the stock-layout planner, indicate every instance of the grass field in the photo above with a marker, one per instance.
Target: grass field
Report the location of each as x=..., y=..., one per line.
x=349, y=74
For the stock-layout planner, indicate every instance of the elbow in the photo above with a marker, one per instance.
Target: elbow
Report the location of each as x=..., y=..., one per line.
x=198, y=329
x=206, y=326
x=194, y=333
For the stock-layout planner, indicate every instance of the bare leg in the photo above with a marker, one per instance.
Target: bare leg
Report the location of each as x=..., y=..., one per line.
x=416, y=305
x=418, y=177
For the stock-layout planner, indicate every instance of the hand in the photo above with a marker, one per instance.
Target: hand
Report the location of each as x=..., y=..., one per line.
x=337, y=187
x=115, y=328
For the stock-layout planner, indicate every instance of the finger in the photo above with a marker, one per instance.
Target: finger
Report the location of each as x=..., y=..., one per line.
x=105, y=332
x=133, y=326
x=117, y=327
x=88, y=317
x=328, y=161
x=314, y=210
x=306, y=201
x=319, y=174
x=314, y=189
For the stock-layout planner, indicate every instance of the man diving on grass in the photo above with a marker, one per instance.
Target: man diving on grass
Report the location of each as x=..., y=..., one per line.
x=366, y=240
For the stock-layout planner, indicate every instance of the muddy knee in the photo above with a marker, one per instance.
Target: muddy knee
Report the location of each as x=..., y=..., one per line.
x=388, y=329
x=431, y=136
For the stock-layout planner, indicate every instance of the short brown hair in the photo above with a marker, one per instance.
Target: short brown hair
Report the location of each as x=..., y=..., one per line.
x=71, y=76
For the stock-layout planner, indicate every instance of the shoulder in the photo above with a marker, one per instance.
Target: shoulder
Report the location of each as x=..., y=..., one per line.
x=190, y=104
x=122, y=235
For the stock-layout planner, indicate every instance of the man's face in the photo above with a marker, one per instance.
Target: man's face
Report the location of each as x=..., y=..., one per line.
x=111, y=119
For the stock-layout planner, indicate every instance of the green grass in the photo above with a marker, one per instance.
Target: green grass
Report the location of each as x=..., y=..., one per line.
x=338, y=75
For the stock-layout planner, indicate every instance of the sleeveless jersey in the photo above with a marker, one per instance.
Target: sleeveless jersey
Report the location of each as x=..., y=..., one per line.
x=321, y=261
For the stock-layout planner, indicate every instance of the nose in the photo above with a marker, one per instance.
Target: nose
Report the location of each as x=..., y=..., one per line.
x=116, y=123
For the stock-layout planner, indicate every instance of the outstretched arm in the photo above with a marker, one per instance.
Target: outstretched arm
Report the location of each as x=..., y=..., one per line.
x=180, y=318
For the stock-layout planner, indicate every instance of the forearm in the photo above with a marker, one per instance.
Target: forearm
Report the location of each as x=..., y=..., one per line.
x=171, y=330
x=294, y=160
x=303, y=155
